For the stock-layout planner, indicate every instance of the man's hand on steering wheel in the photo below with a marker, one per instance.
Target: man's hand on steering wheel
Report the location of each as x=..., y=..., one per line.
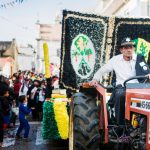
x=93, y=83
x=148, y=75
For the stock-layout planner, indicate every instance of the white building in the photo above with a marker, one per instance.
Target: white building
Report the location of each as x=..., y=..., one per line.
x=51, y=34
x=26, y=58
x=135, y=8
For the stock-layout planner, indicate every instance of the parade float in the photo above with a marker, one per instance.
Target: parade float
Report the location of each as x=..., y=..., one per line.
x=88, y=41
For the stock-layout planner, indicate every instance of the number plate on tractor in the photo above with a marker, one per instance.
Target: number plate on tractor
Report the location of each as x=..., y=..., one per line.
x=140, y=104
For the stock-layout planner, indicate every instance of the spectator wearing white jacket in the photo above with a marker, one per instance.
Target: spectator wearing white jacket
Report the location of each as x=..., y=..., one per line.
x=24, y=88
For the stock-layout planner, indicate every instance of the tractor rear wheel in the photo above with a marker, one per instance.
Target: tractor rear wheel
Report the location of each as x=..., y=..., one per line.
x=84, y=123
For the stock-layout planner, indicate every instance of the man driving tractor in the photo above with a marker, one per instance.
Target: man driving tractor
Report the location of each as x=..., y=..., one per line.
x=125, y=65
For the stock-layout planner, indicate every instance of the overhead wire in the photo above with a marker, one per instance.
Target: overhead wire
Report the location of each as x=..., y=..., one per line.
x=11, y=3
x=18, y=25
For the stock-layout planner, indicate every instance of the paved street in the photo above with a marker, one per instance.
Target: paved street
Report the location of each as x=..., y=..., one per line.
x=37, y=143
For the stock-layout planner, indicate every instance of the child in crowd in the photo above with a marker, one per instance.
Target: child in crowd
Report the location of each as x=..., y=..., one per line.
x=14, y=113
x=23, y=111
x=4, y=107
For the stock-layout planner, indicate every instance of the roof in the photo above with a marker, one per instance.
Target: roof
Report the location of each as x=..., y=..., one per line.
x=4, y=45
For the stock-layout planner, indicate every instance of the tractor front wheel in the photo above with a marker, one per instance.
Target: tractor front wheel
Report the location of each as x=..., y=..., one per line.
x=84, y=123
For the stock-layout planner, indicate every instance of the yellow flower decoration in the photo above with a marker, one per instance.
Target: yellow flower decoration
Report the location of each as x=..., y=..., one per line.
x=62, y=118
x=46, y=59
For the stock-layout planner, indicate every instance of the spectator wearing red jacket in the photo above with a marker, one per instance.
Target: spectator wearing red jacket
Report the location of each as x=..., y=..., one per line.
x=17, y=86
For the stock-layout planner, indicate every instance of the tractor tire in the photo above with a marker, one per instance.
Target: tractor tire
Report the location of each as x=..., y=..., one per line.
x=84, y=123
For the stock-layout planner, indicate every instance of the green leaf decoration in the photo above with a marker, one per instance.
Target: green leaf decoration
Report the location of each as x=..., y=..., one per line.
x=49, y=127
x=142, y=47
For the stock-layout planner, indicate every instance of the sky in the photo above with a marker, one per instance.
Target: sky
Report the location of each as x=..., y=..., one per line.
x=19, y=21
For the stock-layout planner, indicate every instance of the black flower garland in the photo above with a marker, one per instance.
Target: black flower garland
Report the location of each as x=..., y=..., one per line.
x=73, y=25
x=106, y=34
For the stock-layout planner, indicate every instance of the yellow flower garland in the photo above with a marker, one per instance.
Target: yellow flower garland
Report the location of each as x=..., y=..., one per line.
x=62, y=119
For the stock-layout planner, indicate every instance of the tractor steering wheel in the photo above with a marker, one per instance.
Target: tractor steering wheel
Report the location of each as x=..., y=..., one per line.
x=135, y=77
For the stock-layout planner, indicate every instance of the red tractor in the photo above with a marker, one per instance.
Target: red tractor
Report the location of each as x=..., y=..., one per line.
x=91, y=125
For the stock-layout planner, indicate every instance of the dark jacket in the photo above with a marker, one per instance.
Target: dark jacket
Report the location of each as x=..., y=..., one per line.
x=37, y=93
x=141, y=67
x=5, y=104
x=1, y=105
x=49, y=88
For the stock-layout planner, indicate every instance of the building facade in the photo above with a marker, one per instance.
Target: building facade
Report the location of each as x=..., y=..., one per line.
x=8, y=57
x=26, y=58
x=135, y=8
x=51, y=34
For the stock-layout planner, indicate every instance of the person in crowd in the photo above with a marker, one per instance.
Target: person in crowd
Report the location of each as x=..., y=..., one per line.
x=1, y=124
x=55, y=82
x=24, y=87
x=40, y=98
x=11, y=83
x=14, y=113
x=21, y=76
x=49, y=88
x=5, y=82
x=31, y=98
x=33, y=76
x=17, y=86
x=14, y=76
x=6, y=107
x=4, y=93
x=23, y=111
x=6, y=100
